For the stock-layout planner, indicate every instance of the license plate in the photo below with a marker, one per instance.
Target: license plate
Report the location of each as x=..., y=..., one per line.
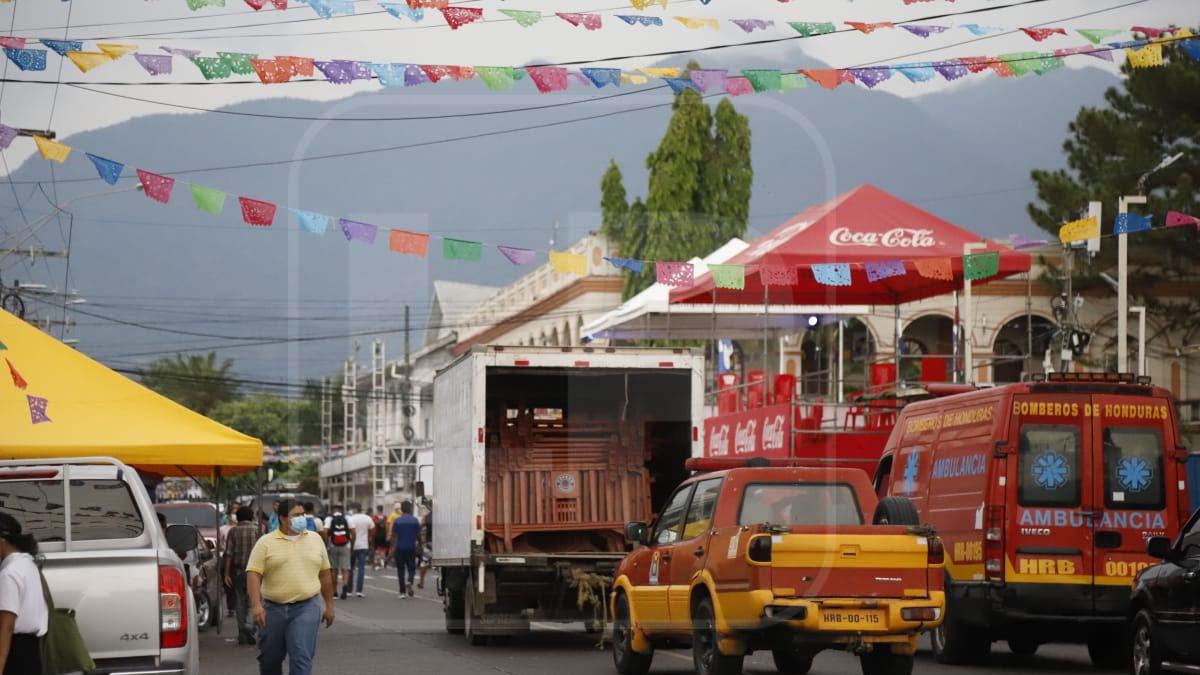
x=852, y=619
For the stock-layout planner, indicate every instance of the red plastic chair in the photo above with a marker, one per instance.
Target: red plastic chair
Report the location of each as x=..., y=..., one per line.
x=756, y=393
x=729, y=400
x=785, y=387
x=882, y=374
x=933, y=369
x=855, y=412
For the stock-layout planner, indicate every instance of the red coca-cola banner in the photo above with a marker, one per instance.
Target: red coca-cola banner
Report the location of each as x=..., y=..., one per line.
x=760, y=432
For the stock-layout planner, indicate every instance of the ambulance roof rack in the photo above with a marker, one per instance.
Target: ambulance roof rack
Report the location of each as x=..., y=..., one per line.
x=1111, y=378
x=710, y=464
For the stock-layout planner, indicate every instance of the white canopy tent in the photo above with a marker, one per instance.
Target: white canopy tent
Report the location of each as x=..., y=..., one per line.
x=650, y=314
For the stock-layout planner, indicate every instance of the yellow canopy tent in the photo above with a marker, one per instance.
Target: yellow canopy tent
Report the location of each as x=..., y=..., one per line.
x=56, y=402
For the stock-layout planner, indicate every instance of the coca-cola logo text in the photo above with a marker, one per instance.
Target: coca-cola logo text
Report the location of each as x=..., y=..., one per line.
x=897, y=237
x=745, y=439
x=718, y=441
x=773, y=434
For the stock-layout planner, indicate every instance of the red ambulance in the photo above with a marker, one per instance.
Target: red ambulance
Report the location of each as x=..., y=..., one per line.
x=1044, y=493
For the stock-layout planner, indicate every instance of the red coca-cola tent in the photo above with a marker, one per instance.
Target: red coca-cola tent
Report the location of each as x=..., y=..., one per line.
x=861, y=226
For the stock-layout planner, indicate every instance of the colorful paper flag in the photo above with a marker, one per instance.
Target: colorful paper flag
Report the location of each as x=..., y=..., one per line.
x=12, y=42
x=738, y=86
x=409, y=243
x=588, y=21
x=496, y=77
x=981, y=265
x=401, y=10
x=603, y=76
x=941, y=269
x=211, y=67
x=523, y=17
x=917, y=72
x=764, y=79
x=109, y=170
x=27, y=59
x=516, y=256
x=778, y=275
x=951, y=69
x=829, y=78
x=789, y=81
x=37, y=409
x=923, y=31
x=86, y=61
x=864, y=27
x=696, y=24
x=679, y=84
x=750, y=25
x=337, y=72
x=660, y=72
x=1020, y=241
x=207, y=199
x=155, y=186
x=569, y=263
x=634, y=20
x=1179, y=219
x=1097, y=35
x=708, y=79
x=634, y=266
x=809, y=29
x=1079, y=230
x=155, y=64
x=884, y=269
x=977, y=29
x=52, y=150
x=1150, y=56
x=674, y=274
x=1040, y=34
x=200, y=4
x=18, y=381
x=358, y=231
x=7, y=135
x=457, y=17
x=643, y=4
x=728, y=276
x=1131, y=222
x=61, y=47
x=115, y=51
x=1191, y=48
x=271, y=71
x=548, y=78
x=311, y=221
x=871, y=76
x=299, y=65
x=327, y=9
x=461, y=249
x=178, y=51
x=831, y=274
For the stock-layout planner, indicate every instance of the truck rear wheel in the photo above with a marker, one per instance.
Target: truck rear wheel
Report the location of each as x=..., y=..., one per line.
x=882, y=661
x=627, y=661
x=1109, y=649
x=470, y=621
x=706, y=653
x=896, y=511
x=956, y=643
x=792, y=660
x=452, y=607
x=1023, y=647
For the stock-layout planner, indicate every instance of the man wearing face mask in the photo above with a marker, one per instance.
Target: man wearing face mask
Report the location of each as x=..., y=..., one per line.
x=287, y=569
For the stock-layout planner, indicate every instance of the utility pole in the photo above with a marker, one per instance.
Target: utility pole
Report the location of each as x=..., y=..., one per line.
x=350, y=404
x=379, y=452
x=326, y=416
x=1123, y=283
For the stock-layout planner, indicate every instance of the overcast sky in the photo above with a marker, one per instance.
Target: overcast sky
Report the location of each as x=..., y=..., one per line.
x=375, y=35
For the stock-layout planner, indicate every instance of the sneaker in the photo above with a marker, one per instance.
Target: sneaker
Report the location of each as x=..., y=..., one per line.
x=411, y=593
x=403, y=596
x=343, y=595
x=359, y=594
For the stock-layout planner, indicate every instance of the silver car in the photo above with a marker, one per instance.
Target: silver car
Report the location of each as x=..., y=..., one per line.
x=107, y=558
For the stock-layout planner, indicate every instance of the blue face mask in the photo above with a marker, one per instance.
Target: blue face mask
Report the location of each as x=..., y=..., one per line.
x=299, y=524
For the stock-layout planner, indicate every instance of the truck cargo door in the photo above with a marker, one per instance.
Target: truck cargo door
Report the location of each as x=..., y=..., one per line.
x=1131, y=490
x=1051, y=505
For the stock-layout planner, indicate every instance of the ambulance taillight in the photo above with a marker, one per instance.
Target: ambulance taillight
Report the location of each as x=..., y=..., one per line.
x=993, y=543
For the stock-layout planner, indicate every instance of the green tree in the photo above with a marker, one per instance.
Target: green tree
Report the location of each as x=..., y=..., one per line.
x=1152, y=114
x=273, y=420
x=306, y=474
x=196, y=382
x=698, y=194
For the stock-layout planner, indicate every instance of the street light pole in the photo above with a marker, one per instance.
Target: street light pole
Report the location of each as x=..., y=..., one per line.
x=969, y=319
x=1141, y=362
x=1123, y=282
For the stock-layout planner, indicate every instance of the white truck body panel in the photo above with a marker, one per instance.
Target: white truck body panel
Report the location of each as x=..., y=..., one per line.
x=459, y=474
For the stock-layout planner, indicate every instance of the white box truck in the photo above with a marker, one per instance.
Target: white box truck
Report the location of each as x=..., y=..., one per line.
x=541, y=456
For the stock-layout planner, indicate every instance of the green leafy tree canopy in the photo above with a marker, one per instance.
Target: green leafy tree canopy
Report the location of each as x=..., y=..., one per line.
x=196, y=382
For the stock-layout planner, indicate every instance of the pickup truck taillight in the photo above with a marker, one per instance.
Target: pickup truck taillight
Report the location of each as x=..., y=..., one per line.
x=172, y=603
x=993, y=543
x=759, y=549
x=937, y=552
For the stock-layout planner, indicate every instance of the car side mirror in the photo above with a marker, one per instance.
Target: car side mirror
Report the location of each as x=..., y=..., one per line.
x=1159, y=547
x=182, y=538
x=636, y=533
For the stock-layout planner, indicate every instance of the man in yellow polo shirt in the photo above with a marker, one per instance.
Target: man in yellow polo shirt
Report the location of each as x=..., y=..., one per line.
x=287, y=570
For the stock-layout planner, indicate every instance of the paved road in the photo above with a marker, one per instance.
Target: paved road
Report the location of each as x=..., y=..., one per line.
x=382, y=634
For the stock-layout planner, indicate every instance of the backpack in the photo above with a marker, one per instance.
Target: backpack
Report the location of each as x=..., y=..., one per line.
x=339, y=530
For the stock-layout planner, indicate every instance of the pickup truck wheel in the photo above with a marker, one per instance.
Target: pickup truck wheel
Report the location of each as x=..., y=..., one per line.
x=1109, y=650
x=882, y=661
x=792, y=660
x=627, y=661
x=706, y=655
x=956, y=643
x=1023, y=647
x=452, y=607
x=896, y=511
x=203, y=610
x=1145, y=659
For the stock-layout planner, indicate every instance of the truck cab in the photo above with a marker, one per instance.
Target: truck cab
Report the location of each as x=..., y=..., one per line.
x=1045, y=493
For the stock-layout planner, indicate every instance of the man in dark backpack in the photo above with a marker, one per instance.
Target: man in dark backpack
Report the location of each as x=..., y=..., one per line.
x=340, y=539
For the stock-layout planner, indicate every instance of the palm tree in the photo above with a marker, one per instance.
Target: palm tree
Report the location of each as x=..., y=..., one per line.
x=196, y=382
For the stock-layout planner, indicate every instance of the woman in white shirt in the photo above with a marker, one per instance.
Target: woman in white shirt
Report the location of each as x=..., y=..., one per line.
x=23, y=612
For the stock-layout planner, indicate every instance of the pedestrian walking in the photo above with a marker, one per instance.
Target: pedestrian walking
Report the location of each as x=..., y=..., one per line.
x=425, y=556
x=364, y=530
x=273, y=519
x=239, y=543
x=228, y=521
x=315, y=523
x=24, y=616
x=380, y=557
x=406, y=535
x=287, y=570
x=341, y=538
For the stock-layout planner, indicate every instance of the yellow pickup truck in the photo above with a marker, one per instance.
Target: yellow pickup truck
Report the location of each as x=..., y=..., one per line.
x=776, y=556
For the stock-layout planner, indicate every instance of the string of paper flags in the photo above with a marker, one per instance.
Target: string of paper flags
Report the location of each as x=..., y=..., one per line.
x=261, y=213
x=551, y=78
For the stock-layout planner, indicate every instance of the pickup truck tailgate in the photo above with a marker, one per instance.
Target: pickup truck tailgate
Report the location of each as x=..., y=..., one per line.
x=851, y=562
x=115, y=598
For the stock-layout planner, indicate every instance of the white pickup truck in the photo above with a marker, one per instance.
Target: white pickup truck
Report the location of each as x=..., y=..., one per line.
x=106, y=557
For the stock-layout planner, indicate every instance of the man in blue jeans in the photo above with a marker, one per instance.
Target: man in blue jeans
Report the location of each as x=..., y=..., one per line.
x=287, y=570
x=364, y=529
x=406, y=539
